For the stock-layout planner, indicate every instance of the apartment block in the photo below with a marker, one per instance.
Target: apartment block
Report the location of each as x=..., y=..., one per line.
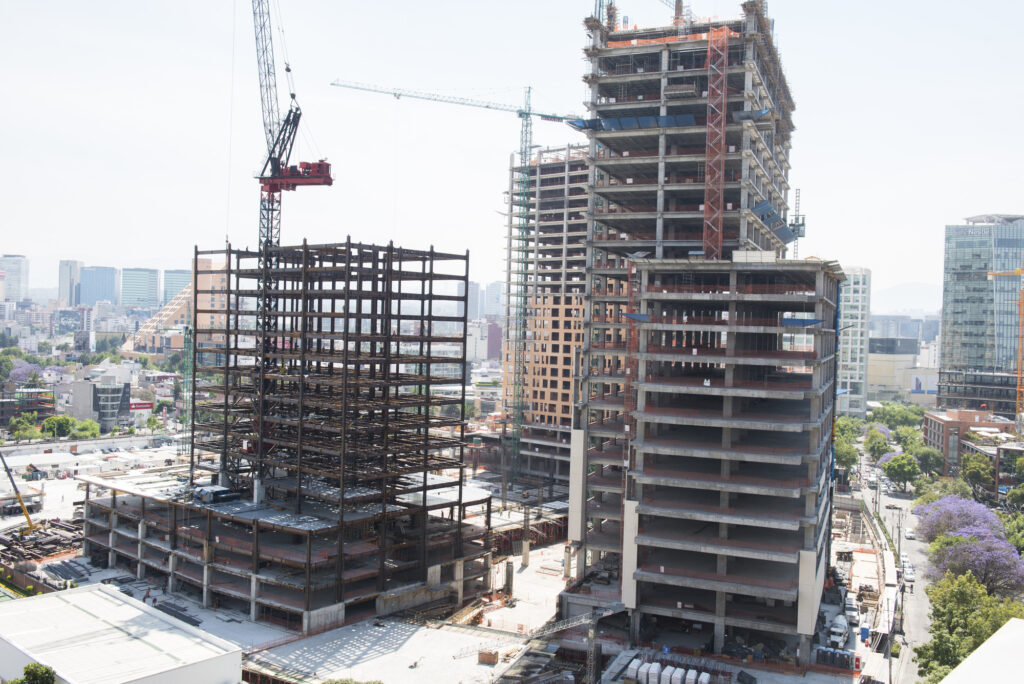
x=700, y=451
x=854, y=331
x=140, y=287
x=552, y=258
x=68, y=281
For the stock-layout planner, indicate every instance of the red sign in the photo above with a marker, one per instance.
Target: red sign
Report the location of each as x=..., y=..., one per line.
x=141, y=406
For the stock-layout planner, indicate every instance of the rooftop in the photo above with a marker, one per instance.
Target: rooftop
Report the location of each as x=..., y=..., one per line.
x=97, y=634
x=995, y=660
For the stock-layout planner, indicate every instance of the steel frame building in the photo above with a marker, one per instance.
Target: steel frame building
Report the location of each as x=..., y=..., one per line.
x=317, y=483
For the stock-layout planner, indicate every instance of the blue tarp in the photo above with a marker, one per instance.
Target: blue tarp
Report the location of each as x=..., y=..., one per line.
x=639, y=318
x=801, y=322
x=632, y=122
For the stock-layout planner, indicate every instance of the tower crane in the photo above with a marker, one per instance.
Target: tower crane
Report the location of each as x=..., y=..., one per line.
x=276, y=177
x=1018, y=413
x=518, y=296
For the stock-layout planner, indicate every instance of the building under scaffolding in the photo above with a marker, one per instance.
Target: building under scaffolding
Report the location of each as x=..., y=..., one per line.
x=326, y=479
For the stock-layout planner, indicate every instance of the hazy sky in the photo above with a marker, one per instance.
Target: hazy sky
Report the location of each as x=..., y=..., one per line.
x=133, y=129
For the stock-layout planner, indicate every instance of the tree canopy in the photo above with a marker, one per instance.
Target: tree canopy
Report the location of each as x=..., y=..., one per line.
x=909, y=438
x=977, y=471
x=876, y=444
x=930, y=459
x=953, y=513
x=893, y=415
x=902, y=469
x=849, y=428
x=846, y=454
x=963, y=616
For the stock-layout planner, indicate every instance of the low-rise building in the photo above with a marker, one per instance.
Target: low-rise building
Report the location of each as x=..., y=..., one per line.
x=944, y=429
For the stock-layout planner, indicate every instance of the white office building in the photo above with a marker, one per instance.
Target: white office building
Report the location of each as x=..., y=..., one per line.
x=854, y=323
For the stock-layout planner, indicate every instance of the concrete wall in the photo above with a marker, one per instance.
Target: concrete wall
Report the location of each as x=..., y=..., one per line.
x=630, y=527
x=323, y=618
x=13, y=660
x=393, y=602
x=577, y=486
x=812, y=580
x=223, y=669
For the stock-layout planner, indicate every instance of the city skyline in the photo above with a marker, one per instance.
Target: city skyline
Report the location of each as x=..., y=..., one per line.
x=223, y=197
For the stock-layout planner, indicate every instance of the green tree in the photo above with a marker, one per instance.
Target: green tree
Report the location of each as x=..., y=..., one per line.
x=27, y=433
x=44, y=348
x=1014, y=526
x=930, y=459
x=849, y=428
x=876, y=444
x=976, y=470
x=902, y=469
x=1018, y=466
x=64, y=347
x=6, y=366
x=176, y=390
x=1015, y=497
x=85, y=429
x=930, y=490
x=908, y=437
x=152, y=422
x=34, y=673
x=846, y=454
x=58, y=426
x=22, y=421
x=893, y=415
x=963, y=616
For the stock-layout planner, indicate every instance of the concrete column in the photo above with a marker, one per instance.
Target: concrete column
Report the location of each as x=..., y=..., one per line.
x=254, y=585
x=719, y=621
x=206, y=586
x=526, y=536
x=634, y=627
x=172, y=563
x=567, y=562
x=460, y=574
x=804, y=655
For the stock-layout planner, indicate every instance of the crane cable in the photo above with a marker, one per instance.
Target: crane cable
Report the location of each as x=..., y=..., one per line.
x=304, y=132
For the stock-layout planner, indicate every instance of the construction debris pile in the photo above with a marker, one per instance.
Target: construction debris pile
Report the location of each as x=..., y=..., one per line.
x=50, y=538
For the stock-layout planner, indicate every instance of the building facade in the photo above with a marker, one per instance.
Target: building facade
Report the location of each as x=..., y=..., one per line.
x=69, y=279
x=979, y=312
x=854, y=330
x=700, y=451
x=15, y=268
x=175, y=280
x=99, y=284
x=944, y=429
x=140, y=287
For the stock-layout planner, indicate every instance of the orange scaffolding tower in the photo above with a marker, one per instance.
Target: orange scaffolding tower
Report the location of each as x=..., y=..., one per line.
x=714, y=186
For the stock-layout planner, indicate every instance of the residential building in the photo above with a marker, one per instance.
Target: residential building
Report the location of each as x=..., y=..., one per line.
x=99, y=284
x=854, y=330
x=175, y=280
x=979, y=312
x=140, y=287
x=551, y=255
x=15, y=268
x=943, y=430
x=700, y=452
x=3, y=287
x=69, y=279
x=999, y=448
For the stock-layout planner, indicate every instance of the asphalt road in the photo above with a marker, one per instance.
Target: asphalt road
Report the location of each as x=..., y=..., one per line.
x=916, y=604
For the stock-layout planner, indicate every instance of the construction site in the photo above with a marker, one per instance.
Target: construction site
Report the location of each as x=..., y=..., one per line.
x=668, y=404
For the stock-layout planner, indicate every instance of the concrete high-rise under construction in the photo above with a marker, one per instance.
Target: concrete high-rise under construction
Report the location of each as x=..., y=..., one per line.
x=700, y=449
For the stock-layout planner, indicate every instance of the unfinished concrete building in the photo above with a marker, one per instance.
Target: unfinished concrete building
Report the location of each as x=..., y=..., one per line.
x=326, y=482
x=700, y=464
x=552, y=258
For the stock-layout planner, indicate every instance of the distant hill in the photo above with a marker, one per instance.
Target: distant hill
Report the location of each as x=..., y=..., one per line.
x=907, y=298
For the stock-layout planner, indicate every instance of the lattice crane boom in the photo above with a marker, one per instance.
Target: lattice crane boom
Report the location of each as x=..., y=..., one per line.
x=518, y=295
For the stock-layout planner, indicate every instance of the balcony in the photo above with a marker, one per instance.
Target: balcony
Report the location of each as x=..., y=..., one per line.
x=746, y=484
x=744, y=576
x=700, y=537
x=755, y=511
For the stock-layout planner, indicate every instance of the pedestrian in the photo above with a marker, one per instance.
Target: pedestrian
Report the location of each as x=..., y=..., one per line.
x=911, y=588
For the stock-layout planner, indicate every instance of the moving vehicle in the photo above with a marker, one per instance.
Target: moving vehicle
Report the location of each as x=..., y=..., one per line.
x=909, y=534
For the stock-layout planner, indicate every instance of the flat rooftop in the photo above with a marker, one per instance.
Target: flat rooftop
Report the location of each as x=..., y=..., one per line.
x=996, y=660
x=96, y=634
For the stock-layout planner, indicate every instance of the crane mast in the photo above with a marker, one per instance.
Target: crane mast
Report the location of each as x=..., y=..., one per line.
x=518, y=295
x=276, y=177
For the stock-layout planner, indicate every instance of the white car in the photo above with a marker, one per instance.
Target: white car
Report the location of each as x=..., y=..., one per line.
x=909, y=534
x=908, y=575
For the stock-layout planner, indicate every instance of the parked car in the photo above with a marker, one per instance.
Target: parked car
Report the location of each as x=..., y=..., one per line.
x=908, y=575
x=909, y=534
